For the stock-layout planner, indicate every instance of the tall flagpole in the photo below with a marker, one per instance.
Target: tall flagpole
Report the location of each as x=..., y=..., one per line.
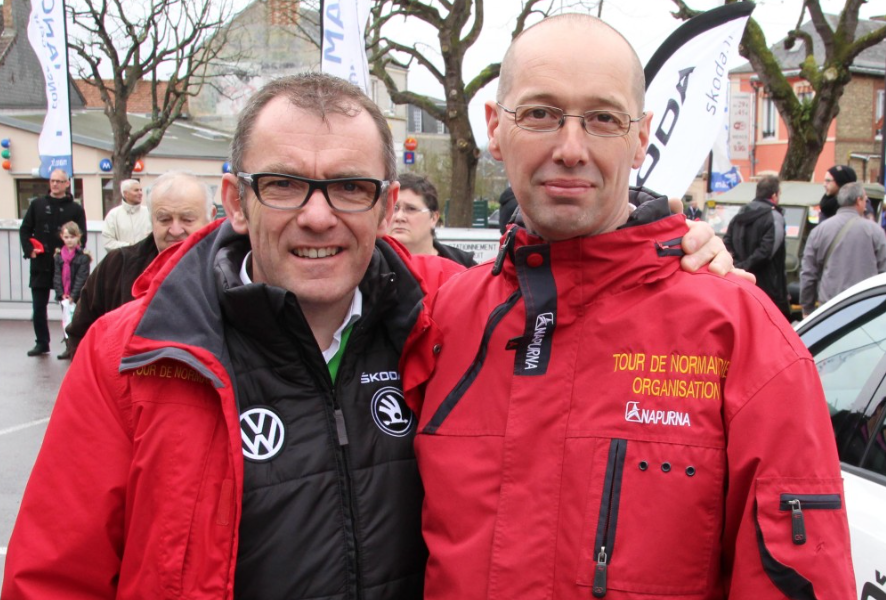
x=47, y=33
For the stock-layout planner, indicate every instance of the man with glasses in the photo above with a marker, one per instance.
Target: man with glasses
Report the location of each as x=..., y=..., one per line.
x=240, y=429
x=42, y=224
x=595, y=422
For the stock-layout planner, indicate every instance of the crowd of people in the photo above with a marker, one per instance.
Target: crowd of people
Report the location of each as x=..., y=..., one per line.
x=314, y=398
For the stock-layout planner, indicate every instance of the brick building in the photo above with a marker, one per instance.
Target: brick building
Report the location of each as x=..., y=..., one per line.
x=853, y=138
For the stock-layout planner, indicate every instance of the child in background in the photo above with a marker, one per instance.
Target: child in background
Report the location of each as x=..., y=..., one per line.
x=71, y=271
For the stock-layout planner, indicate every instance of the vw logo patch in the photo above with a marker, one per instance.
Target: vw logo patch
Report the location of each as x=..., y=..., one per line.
x=262, y=434
x=390, y=413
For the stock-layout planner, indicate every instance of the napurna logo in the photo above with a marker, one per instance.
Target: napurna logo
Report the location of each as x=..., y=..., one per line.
x=390, y=413
x=533, y=352
x=262, y=434
x=635, y=414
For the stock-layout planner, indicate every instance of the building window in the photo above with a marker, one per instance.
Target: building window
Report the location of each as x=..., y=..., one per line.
x=878, y=120
x=441, y=127
x=28, y=189
x=417, y=115
x=804, y=92
x=770, y=118
x=107, y=196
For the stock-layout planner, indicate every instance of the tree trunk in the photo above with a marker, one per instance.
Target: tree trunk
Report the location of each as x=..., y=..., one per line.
x=465, y=157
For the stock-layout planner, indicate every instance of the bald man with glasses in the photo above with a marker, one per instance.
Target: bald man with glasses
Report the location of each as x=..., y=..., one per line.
x=594, y=422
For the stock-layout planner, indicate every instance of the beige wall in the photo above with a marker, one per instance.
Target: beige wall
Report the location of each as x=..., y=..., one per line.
x=25, y=158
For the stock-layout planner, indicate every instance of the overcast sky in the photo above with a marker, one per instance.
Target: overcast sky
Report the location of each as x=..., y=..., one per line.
x=645, y=23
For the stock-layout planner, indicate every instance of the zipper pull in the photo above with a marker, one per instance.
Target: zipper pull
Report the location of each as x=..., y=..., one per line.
x=599, y=589
x=340, y=428
x=798, y=523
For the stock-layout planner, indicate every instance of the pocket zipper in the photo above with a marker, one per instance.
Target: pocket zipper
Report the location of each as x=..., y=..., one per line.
x=608, y=514
x=797, y=502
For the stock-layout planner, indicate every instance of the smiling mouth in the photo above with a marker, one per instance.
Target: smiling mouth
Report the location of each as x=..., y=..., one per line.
x=316, y=252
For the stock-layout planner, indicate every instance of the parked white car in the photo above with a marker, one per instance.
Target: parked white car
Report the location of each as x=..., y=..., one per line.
x=847, y=338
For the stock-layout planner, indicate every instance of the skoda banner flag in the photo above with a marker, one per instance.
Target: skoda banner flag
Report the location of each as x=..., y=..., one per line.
x=686, y=92
x=46, y=32
x=344, y=46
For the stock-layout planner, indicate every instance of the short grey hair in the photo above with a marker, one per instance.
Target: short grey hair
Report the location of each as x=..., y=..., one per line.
x=850, y=193
x=317, y=93
x=127, y=185
x=171, y=178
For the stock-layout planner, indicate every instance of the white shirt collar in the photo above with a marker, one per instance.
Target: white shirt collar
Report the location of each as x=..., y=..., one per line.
x=355, y=311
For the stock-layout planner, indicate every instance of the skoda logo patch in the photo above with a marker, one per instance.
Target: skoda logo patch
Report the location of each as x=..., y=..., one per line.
x=390, y=413
x=262, y=434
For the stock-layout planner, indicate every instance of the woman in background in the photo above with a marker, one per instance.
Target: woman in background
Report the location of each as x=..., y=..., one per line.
x=415, y=217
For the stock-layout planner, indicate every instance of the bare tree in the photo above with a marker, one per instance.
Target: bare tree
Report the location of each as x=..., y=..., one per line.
x=807, y=121
x=169, y=43
x=458, y=24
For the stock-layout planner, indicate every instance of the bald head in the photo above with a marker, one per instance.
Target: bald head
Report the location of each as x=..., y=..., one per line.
x=583, y=27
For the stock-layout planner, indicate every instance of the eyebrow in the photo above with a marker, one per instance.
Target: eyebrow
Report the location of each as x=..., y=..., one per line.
x=598, y=102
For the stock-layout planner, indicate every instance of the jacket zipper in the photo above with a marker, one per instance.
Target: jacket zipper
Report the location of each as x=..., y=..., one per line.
x=606, y=525
x=797, y=502
x=347, y=485
x=467, y=379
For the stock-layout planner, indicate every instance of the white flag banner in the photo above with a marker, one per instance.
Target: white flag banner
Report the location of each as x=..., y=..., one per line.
x=46, y=32
x=344, y=41
x=686, y=85
x=724, y=175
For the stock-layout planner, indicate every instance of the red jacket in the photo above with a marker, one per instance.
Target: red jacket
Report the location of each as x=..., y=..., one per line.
x=136, y=492
x=600, y=423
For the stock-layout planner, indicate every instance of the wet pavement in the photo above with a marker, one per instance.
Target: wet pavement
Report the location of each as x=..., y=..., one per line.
x=28, y=386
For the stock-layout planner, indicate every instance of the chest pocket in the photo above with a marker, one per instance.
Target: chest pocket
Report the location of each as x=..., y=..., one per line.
x=652, y=504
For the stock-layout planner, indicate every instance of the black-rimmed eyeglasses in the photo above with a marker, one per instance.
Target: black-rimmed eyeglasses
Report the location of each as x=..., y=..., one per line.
x=601, y=123
x=290, y=192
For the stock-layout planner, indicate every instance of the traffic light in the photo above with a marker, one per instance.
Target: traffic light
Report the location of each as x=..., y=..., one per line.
x=5, y=154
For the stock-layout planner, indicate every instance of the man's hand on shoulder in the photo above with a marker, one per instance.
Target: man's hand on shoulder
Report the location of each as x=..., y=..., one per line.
x=703, y=247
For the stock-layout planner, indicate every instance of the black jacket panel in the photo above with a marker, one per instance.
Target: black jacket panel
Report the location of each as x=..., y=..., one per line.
x=336, y=512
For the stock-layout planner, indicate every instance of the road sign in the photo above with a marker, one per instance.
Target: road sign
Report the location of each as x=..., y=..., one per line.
x=410, y=144
x=409, y=158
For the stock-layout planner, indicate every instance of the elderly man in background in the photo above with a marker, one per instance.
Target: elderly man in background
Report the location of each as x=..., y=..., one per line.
x=179, y=205
x=845, y=249
x=128, y=223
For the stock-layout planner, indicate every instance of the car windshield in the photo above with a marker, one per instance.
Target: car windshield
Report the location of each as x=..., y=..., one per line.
x=719, y=215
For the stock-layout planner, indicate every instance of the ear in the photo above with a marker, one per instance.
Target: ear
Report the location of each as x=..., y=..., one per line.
x=230, y=196
x=492, y=123
x=384, y=223
x=640, y=153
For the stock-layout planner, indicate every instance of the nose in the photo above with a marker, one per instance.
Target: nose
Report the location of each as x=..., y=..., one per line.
x=399, y=214
x=316, y=214
x=572, y=144
x=176, y=229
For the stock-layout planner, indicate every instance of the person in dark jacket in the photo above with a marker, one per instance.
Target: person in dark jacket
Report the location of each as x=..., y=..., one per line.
x=836, y=177
x=180, y=204
x=42, y=223
x=415, y=218
x=71, y=271
x=756, y=240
